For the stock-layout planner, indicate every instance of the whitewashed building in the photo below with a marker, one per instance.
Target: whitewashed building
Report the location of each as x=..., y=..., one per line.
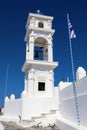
x=40, y=101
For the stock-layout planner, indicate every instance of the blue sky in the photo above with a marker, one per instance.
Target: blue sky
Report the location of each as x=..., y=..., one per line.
x=13, y=17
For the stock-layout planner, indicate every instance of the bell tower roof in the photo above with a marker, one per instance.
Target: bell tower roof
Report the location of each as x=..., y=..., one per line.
x=39, y=23
x=38, y=15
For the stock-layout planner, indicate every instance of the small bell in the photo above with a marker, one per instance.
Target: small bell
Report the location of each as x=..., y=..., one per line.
x=41, y=48
x=36, y=54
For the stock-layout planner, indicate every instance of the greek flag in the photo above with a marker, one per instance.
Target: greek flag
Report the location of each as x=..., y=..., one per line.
x=71, y=30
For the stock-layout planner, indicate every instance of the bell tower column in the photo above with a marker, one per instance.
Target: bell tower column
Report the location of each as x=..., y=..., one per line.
x=50, y=52
x=30, y=47
x=50, y=48
x=31, y=82
x=25, y=83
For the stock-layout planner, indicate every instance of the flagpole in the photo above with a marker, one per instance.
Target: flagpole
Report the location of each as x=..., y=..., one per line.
x=6, y=80
x=73, y=75
x=71, y=53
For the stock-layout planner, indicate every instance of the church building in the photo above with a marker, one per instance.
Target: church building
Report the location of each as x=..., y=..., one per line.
x=39, y=96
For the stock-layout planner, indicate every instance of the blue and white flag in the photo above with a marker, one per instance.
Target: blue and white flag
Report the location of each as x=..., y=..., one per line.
x=71, y=30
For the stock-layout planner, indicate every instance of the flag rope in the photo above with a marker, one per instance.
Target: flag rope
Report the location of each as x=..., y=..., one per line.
x=73, y=73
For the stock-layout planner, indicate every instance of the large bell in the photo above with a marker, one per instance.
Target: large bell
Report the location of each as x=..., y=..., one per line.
x=36, y=54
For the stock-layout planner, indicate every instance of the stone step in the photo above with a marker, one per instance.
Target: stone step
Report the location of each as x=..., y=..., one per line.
x=54, y=111
x=44, y=114
x=30, y=120
x=36, y=117
x=41, y=115
x=50, y=112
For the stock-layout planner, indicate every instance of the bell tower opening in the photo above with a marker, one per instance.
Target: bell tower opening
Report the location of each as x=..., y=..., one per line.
x=38, y=53
x=40, y=25
x=40, y=49
x=41, y=86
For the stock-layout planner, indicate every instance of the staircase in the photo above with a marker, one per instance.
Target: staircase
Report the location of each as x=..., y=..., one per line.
x=44, y=119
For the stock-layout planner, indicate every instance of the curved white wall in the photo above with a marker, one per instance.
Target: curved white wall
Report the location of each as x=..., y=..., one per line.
x=67, y=102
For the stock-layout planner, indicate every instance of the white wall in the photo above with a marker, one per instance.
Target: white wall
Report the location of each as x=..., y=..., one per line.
x=1, y=127
x=33, y=107
x=13, y=108
x=82, y=99
x=63, y=126
x=67, y=106
x=67, y=102
x=28, y=107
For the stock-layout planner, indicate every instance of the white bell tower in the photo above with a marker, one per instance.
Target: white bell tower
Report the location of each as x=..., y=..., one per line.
x=39, y=99
x=39, y=65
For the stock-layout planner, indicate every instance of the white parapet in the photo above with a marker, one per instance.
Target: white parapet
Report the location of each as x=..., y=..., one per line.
x=6, y=99
x=1, y=127
x=12, y=97
x=80, y=73
x=63, y=85
x=24, y=94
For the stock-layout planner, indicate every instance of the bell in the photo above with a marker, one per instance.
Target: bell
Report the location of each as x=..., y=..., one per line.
x=36, y=54
x=41, y=48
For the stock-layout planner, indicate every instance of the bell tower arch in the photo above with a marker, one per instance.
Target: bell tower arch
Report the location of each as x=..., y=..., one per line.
x=42, y=43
